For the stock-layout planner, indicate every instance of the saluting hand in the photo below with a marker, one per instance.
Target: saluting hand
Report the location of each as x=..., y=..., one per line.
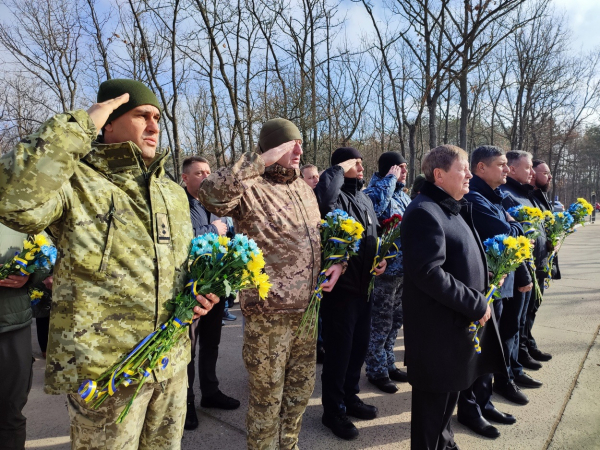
x=99, y=112
x=347, y=165
x=273, y=155
x=396, y=171
x=207, y=303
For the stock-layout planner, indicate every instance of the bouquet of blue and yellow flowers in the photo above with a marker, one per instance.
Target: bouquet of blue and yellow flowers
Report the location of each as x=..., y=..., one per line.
x=558, y=226
x=532, y=221
x=386, y=244
x=579, y=210
x=37, y=253
x=216, y=265
x=504, y=254
x=530, y=218
x=340, y=239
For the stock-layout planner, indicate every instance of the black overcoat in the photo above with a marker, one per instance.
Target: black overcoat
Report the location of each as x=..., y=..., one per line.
x=445, y=279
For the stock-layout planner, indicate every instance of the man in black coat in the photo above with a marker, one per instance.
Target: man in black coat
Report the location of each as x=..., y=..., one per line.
x=346, y=310
x=520, y=193
x=541, y=183
x=489, y=168
x=207, y=330
x=446, y=278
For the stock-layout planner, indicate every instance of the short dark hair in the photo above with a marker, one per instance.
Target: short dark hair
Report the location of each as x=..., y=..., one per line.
x=187, y=162
x=307, y=166
x=537, y=162
x=484, y=154
x=515, y=155
x=441, y=157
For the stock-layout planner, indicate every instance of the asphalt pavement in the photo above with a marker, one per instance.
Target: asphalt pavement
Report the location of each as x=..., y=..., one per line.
x=563, y=414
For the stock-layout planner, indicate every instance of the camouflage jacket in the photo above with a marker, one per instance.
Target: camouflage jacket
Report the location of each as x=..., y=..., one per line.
x=280, y=212
x=123, y=234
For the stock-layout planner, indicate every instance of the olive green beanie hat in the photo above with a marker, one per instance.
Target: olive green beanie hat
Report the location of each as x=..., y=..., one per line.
x=276, y=132
x=139, y=94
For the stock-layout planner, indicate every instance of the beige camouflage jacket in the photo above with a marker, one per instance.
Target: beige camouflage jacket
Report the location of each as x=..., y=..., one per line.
x=280, y=212
x=123, y=233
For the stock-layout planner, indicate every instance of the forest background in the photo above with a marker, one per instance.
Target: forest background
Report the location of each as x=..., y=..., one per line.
x=379, y=75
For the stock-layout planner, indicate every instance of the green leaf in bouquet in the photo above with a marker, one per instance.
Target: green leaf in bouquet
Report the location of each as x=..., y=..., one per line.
x=227, y=287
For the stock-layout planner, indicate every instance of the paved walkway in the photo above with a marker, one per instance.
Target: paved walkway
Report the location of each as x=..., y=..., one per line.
x=563, y=414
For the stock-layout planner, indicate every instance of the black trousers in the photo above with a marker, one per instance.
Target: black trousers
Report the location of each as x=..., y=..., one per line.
x=532, y=310
x=17, y=371
x=42, y=325
x=430, y=424
x=478, y=398
x=346, y=332
x=207, y=332
x=513, y=315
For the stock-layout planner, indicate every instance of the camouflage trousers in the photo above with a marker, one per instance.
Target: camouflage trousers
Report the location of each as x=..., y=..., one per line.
x=386, y=321
x=155, y=420
x=281, y=368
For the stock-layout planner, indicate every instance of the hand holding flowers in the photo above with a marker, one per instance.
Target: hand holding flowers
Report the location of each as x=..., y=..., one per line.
x=37, y=253
x=217, y=266
x=386, y=246
x=340, y=239
x=504, y=254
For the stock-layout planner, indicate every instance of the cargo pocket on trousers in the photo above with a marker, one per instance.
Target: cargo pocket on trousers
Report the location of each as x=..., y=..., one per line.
x=87, y=425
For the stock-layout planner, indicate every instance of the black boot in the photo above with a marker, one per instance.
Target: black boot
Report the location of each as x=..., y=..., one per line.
x=191, y=418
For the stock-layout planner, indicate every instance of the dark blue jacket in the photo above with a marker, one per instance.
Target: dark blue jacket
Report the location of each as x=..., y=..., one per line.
x=489, y=218
x=388, y=199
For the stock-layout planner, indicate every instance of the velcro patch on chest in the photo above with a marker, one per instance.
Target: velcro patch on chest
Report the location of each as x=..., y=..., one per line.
x=162, y=228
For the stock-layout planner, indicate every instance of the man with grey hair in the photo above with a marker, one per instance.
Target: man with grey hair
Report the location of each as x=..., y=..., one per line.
x=446, y=277
x=520, y=192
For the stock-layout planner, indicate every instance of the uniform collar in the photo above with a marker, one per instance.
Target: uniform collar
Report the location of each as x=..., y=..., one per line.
x=279, y=174
x=121, y=157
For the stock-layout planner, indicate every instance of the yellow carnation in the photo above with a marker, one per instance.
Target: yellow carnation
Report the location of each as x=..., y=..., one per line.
x=41, y=240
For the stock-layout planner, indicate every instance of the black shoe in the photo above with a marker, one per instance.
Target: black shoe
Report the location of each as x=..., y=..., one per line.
x=500, y=417
x=384, y=384
x=528, y=362
x=320, y=355
x=511, y=392
x=360, y=410
x=220, y=401
x=191, y=418
x=539, y=355
x=341, y=426
x=481, y=427
x=525, y=381
x=398, y=375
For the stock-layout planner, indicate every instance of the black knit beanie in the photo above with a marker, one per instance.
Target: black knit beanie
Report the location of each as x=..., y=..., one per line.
x=344, y=154
x=276, y=132
x=389, y=159
x=139, y=94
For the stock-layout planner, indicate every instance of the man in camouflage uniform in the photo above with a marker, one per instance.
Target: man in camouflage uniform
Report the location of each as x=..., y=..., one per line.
x=269, y=203
x=123, y=232
x=385, y=191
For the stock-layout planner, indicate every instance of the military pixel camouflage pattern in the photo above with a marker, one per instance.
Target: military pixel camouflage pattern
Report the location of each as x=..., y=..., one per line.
x=123, y=234
x=386, y=321
x=155, y=420
x=280, y=212
x=281, y=369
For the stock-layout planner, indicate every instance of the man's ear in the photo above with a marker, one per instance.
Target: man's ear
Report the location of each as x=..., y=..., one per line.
x=438, y=175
